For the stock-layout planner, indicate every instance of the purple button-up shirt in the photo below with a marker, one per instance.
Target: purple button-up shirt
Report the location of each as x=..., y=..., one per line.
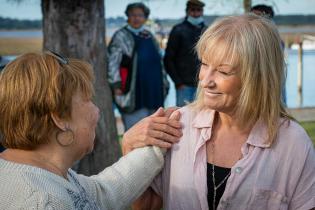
x=280, y=176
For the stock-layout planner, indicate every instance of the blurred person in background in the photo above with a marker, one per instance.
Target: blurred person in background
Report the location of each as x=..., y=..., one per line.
x=181, y=62
x=1, y=147
x=3, y=61
x=135, y=69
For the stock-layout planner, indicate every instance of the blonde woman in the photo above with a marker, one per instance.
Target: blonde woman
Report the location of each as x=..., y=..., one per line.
x=239, y=149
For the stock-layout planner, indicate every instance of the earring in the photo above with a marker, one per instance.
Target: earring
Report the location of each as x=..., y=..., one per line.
x=65, y=138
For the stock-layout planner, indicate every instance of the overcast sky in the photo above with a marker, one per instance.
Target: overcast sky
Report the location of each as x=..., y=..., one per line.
x=30, y=9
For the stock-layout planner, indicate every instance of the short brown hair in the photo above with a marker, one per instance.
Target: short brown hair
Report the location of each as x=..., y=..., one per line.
x=140, y=5
x=34, y=86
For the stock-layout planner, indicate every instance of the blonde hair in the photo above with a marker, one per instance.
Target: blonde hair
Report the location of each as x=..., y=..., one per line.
x=253, y=45
x=34, y=86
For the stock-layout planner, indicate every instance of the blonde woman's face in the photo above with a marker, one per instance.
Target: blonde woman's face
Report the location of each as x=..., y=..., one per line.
x=220, y=86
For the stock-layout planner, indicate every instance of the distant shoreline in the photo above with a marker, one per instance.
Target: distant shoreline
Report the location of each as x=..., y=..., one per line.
x=30, y=29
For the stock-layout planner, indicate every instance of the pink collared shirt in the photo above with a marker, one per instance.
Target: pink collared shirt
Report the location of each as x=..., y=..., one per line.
x=281, y=176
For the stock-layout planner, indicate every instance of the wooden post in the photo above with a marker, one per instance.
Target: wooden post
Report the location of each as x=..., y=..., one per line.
x=286, y=42
x=300, y=74
x=247, y=5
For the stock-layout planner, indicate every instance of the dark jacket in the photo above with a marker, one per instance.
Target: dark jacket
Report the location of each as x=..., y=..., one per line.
x=181, y=61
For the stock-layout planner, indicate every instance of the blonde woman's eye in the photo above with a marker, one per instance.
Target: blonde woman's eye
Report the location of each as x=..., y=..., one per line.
x=203, y=64
x=223, y=72
x=226, y=72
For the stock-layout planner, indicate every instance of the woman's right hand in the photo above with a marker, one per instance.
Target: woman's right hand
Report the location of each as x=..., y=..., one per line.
x=161, y=129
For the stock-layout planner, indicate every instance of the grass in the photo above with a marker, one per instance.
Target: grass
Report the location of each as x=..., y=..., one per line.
x=310, y=129
x=17, y=46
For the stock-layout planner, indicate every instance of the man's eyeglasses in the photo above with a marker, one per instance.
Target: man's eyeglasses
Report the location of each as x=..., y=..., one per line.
x=61, y=59
x=136, y=15
x=196, y=9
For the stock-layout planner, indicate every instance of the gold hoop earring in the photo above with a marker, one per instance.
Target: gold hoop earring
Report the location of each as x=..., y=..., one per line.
x=65, y=138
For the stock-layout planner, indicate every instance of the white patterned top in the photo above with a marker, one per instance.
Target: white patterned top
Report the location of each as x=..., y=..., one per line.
x=29, y=187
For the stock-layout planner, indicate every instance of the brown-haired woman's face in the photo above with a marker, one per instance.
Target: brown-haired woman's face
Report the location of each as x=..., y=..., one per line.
x=84, y=118
x=136, y=18
x=220, y=85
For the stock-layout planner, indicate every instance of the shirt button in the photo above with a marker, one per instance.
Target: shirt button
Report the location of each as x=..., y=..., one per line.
x=238, y=170
x=224, y=203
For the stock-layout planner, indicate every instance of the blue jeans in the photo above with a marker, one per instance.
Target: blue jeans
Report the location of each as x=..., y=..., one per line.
x=185, y=95
x=129, y=119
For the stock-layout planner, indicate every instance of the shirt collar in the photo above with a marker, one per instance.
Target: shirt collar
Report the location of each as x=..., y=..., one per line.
x=204, y=119
x=258, y=136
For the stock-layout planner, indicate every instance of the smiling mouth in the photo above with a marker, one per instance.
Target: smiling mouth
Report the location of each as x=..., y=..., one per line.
x=212, y=93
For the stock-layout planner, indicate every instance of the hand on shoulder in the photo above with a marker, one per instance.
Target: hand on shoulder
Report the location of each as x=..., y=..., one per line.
x=161, y=129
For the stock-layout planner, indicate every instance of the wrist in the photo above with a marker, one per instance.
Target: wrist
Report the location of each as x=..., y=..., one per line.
x=126, y=147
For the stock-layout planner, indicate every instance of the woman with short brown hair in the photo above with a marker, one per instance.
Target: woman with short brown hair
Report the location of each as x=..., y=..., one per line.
x=48, y=122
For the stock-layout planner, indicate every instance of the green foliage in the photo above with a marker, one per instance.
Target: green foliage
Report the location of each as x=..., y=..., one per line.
x=310, y=129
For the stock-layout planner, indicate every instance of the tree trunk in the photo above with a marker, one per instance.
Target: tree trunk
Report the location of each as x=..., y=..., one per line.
x=77, y=29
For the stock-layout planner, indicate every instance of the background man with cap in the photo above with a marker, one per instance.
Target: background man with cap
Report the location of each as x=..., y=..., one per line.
x=180, y=60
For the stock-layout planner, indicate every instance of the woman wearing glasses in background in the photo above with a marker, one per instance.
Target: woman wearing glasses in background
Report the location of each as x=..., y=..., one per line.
x=239, y=149
x=48, y=122
x=134, y=49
